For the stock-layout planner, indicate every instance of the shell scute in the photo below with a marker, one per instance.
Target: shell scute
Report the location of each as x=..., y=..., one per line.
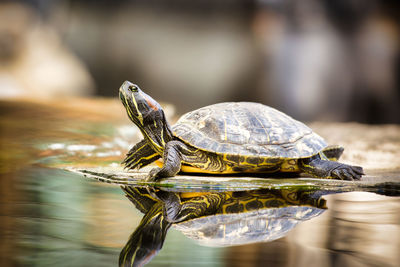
x=248, y=129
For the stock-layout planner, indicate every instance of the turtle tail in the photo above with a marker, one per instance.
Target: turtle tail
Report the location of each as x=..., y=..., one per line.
x=333, y=152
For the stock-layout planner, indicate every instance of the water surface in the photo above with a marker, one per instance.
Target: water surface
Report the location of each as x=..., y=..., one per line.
x=51, y=216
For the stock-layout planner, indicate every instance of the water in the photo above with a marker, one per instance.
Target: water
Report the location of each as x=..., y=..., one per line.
x=54, y=217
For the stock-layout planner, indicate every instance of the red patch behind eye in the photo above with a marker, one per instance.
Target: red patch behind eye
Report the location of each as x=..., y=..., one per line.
x=151, y=104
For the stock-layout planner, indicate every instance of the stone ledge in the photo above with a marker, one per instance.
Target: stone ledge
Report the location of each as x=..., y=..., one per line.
x=387, y=182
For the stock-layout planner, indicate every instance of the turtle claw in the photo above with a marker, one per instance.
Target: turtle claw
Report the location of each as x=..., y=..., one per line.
x=152, y=192
x=359, y=170
x=153, y=175
x=347, y=172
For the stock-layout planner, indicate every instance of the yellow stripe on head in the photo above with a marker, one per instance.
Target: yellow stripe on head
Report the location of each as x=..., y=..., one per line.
x=139, y=116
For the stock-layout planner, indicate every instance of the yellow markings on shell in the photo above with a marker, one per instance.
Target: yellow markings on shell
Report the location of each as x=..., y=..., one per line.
x=290, y=165
x=239, y=202
x=286, y=165
x=192, y=169
x=246, y=201
x=192, y=194
x=225, y=134
x=228, y=170
x=244, y=162
x=265, y=130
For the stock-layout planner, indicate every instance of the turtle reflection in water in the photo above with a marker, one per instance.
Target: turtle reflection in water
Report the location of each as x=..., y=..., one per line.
x=228, y=138
x=215, y=219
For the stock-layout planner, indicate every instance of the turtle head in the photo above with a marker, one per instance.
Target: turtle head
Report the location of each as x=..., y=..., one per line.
x=146, y=113
x=140, y=107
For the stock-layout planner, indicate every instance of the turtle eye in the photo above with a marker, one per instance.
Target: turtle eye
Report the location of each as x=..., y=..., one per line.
x=133, y=88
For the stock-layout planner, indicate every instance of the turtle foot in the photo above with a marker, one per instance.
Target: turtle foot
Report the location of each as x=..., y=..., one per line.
x=154, y=175
x=348, y=172
x=330, y=169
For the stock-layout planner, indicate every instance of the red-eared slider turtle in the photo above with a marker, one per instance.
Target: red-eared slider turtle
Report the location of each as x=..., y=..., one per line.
x=216, y=219
x=227, y=138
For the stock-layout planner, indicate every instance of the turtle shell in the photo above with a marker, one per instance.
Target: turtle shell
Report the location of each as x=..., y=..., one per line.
x=237, y=229
x=247, y=129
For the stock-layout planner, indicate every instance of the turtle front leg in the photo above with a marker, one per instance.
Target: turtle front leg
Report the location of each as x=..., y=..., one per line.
x=324, y=168
x=140, y=155
x=174, y=151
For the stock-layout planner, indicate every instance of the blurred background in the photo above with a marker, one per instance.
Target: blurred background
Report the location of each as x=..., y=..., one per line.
x=62, y=62
x=317, y=60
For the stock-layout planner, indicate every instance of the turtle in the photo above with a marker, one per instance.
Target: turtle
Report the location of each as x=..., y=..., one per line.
x=215, y=218
x=226, y=138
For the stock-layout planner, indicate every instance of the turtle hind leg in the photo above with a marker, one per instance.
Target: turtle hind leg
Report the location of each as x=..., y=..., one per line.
x=320, y=167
